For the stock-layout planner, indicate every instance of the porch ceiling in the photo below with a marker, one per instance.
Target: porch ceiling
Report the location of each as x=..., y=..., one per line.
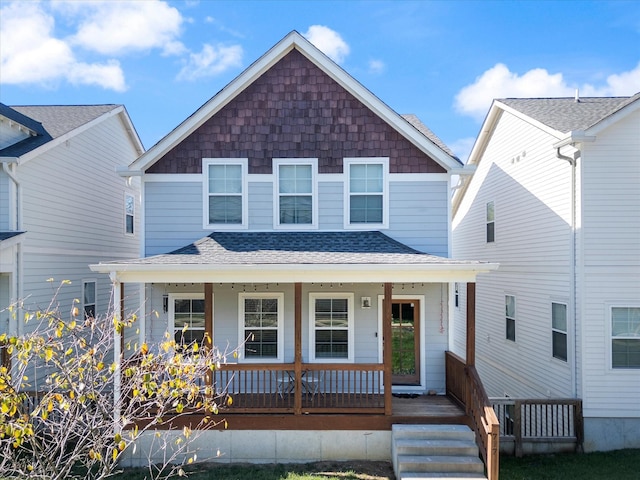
x=294, y=257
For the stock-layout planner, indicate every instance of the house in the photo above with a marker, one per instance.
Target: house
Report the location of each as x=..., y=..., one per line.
x=279, y=218
x=63, y=206
x=555, y=199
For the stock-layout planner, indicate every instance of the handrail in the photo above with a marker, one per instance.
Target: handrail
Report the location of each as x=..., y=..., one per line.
x=464, y=385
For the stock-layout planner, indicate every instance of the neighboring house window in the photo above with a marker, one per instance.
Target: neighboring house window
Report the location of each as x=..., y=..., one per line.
x=261, y=326
x=559, y=330
x=457, y=294
x=225, y=193
x=89, y=298
x=295, y=192
x=186, y=318
x=331, y=329
x=625, y=337
x=510, y=308
x=491, y=223
x=367, y=192
x=129, y=212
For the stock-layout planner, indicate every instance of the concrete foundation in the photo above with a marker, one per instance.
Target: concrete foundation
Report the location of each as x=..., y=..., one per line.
x=601, y=434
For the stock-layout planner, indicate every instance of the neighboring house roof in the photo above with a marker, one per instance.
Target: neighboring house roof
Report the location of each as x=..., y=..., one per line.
x=8, y=239
x=58, y=122
x=7, y=235
x=339, y=256
x=294, y=40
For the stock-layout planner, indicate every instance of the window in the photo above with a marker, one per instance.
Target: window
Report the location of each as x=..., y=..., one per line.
x=295, y=194
x=225, y=193
x=367, y=192
x=261, y=323
x=457, y=294
x=510, y=308
x=625, y=337
x=186, y=318
x=129, y=210
x=559, y=330
x=89, y=298
x=331, y=329
x=491, y=223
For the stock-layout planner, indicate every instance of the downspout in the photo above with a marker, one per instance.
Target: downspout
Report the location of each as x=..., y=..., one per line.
x=17, y=224
x=573, y=264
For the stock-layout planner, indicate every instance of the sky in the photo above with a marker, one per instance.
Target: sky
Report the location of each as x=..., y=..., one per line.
x=444, y=61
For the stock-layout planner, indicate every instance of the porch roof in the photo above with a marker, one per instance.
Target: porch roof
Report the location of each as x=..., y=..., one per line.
x=294, y=256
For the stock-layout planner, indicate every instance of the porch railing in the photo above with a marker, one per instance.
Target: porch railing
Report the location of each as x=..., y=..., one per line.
x=314, y=388
x=550, y=421
x=463, y=384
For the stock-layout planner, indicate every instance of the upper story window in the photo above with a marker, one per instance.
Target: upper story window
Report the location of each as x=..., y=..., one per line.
x=296, y=192
x=129, y=213
x=625, y=337
x=261, y=326
x=510, y=315
x=89, y=298
x=331, y=328
x=491, y=222
x=367, y=197
x=225, y=193
x=559, y=330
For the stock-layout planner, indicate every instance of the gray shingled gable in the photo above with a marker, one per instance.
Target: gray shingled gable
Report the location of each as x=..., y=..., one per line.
x=427, y=132
x=288, y=248
x=567, y=114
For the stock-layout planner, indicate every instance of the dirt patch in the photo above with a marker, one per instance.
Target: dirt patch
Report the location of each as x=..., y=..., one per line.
x=364, y=470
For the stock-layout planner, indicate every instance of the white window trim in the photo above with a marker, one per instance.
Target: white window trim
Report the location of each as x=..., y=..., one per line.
x=171, y=325
x=610, y=337
x=350, y=326
x=487, y=222
x=384, y=161
x=279, y=296
x=244, y=163
x=515, y=318
x=314, y=193
x=128, y=194
x=85, y=281
x=566, y=332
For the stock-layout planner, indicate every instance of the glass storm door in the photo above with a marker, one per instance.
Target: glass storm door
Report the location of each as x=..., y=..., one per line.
x=405, y=342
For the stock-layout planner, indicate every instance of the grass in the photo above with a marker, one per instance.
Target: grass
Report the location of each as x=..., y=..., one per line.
x=618, y=465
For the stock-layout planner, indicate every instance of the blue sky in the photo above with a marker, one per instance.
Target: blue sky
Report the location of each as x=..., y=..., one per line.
x=442, y=60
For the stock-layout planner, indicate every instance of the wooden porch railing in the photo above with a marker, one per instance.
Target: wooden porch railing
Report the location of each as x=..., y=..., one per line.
x=549, y=421
x=315, y=388
x=463, y=384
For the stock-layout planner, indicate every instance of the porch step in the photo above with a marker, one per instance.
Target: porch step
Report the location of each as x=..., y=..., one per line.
x=435, y=451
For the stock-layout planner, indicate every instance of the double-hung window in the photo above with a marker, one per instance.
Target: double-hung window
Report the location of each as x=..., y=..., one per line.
x=559, y=330
x=89, y=298
x=331, y=327
x=510, y=316
x=129, y=212
x=296, y=190
x=625, y=337
x=186, y=318
x=367, y=198
x=261, y=326
x=491, y=222
x=225, y=193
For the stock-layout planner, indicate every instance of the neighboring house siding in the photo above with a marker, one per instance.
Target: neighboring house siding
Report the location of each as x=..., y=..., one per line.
x=4, y=302
x=4, y=201
x=610, y=239
x=294, y=110
x=531, y=192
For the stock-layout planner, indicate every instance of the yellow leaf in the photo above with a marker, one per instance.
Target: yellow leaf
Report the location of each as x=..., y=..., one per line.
x=115, y=454
x=144, y=349
x=229, y=401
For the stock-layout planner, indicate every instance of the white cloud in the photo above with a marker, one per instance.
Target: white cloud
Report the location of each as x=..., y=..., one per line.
x=211, y=61
x=31, y=54
x=376, y=66
x=117, y=28
x=499, y=82
x=328, y=41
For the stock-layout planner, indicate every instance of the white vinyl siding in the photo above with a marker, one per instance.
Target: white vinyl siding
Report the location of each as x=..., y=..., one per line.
x=4, y=201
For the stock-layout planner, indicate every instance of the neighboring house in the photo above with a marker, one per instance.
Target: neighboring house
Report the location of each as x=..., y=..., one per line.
x=555, y=199
x=63, y=206
x=277, y=218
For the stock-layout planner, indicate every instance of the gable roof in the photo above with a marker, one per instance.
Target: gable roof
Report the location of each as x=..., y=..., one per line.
x=295, y=41
x=293, y=256
x=54, y=123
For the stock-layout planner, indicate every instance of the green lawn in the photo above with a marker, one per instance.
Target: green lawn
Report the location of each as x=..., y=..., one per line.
x=616, y=465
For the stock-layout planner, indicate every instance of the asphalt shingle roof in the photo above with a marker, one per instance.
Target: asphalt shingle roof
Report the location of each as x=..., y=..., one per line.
x=567, y=114
x=50, y=122
x=426, y=131
x=8, y=235
x=288, y=248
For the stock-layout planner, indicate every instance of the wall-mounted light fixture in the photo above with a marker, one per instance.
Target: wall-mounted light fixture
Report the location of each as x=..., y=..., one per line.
x=365, y=302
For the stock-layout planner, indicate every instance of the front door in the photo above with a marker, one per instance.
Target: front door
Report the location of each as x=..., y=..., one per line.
x=405, y=342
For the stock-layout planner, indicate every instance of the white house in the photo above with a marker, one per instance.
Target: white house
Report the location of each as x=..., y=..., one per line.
x=63, y=206
x=555, y=199
x=277, y=219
